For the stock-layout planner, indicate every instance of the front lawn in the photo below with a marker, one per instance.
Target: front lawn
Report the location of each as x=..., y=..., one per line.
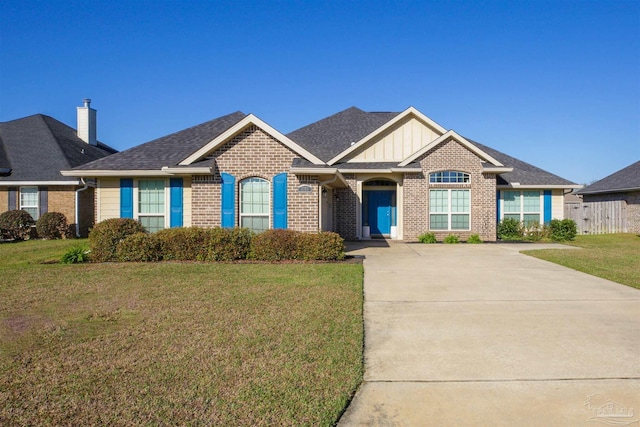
x=175, y=343
x=610, y=256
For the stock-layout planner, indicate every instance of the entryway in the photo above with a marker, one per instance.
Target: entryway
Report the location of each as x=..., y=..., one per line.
x=379, y=208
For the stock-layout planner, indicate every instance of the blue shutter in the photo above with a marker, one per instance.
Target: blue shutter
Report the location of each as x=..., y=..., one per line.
x=126, y=198
x=43, y=200
x=498, y=205
x=175, y=195
x=13, y=198
x=228, y=200
x=280, y=201
x=547, y=206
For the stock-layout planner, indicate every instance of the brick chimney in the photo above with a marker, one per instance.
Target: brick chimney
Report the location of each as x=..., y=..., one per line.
x=87, y=123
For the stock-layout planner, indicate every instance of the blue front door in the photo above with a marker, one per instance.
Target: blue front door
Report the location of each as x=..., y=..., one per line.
x=380, y=211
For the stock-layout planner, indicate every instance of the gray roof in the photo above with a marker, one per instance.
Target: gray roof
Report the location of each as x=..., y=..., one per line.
x=330, y=136
x=627, y=179
x=169, y=150
x=38, y=147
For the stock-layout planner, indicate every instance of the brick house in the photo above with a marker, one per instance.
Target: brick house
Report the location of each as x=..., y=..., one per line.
x=617, y=197
x=33, y=150
x=361, y=174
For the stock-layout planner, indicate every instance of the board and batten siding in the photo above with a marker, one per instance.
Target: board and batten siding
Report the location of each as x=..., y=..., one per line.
x=397, y=143
x=108, y=199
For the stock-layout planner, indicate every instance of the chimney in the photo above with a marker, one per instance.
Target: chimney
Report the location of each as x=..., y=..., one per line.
x=87, y=123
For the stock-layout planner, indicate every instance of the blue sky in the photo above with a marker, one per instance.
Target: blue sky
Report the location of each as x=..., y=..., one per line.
x=554, y=83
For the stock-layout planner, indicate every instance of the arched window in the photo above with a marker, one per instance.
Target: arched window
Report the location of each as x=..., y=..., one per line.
x=449, y=177
x=254, y=204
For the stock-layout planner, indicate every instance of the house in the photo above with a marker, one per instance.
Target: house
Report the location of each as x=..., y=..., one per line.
x=360, y=174
x=33, y=150
x=611, y=205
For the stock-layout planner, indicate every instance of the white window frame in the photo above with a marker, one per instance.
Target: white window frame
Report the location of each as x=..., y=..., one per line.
x=37, y=205
x=136, y=200
x=521, y=211
x=241, y=215
x=449, y=213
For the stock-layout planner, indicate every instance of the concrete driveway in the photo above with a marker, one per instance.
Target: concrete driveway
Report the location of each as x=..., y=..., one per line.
x=483, y=335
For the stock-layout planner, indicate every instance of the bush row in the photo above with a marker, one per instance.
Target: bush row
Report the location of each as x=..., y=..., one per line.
x=18, y=225
x=126, y=240
x=451, y=238
x=557, y=230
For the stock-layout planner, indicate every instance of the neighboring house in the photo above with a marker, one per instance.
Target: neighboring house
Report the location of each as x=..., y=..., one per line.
x=611, y=205
x=360, y=174
x=33, y=150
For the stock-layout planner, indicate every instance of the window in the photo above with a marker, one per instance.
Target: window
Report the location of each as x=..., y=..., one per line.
x=449, y=177
x=449, y=209
x=151, y=205
x=523, y=206
x=254, y=204
x=29, y=201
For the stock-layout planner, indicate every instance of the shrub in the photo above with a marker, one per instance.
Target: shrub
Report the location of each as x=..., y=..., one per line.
x=427, y=238
x=451, y=238
x=474, y=238
x=535, y=231
x=226, y=244
x=139, y=247
x=75, y=255
x=323, y=246
x=183, y=243
x=510, y=229
x=275, y=245
x=16, y=225
x=563, y=230
x=52, y=225
x=105, y=236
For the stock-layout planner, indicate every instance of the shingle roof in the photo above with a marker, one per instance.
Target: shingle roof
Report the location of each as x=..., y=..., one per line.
x=168, y=150
x=623, y=180
x=37, y=147
x=332, y=135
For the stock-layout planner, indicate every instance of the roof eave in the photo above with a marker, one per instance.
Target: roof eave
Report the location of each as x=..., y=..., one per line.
x=114, y=172
x=497, y=170
x=617, y=190
x=517, y=185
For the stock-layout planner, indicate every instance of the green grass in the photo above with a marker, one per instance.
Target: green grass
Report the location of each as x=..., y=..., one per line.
x=175, y=343
x=610, y=256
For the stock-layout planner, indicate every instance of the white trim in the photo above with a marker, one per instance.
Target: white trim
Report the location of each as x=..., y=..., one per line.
x=521, y=211
x=113, y=172
x=268, y=215
x=202, y=170
x=19, y=204
x=453, y=135
x=37, y=183
x=517, y=186
x=409, y=111
x=617, y=190
x=497, y=169
x=237, y=128
x=313, y=171
x=449, y=213
x=167, y=202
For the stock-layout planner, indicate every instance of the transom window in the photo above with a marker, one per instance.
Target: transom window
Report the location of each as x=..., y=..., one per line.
x=523, y=206
x=449, y=209
x=151, y=204
x=254, y=204
x=29, y=201
x=449, y=177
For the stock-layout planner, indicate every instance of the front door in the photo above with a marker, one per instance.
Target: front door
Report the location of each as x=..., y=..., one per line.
x=380, y=211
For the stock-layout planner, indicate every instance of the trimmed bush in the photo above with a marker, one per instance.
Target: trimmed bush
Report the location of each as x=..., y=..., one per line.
x=275, y=245
x=510, y=229
x=323, y=246
x=75, y=255
x=563, y=230
x=52, y=225
x=183, y=243
x=16, y=224
x=427, y=238
x=105, y=236
x=139, y=247
x=451, y=238
x=534, y=231
x=226, y=244
x=474, y=239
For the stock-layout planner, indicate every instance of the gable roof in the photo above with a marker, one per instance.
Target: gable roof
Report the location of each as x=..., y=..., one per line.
x=332, y=135
x=626, y=179
x=37, y=147
x=168, y=150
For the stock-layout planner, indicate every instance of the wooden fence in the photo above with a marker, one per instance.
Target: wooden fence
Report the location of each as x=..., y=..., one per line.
x=598, y=217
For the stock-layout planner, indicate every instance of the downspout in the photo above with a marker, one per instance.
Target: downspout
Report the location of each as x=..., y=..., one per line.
x=321, y=186
x=86, y=185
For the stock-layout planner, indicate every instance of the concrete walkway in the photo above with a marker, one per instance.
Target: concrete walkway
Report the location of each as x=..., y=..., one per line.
x=483, y=335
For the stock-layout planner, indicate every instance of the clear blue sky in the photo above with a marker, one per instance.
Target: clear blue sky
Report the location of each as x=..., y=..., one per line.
x=555, y=83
